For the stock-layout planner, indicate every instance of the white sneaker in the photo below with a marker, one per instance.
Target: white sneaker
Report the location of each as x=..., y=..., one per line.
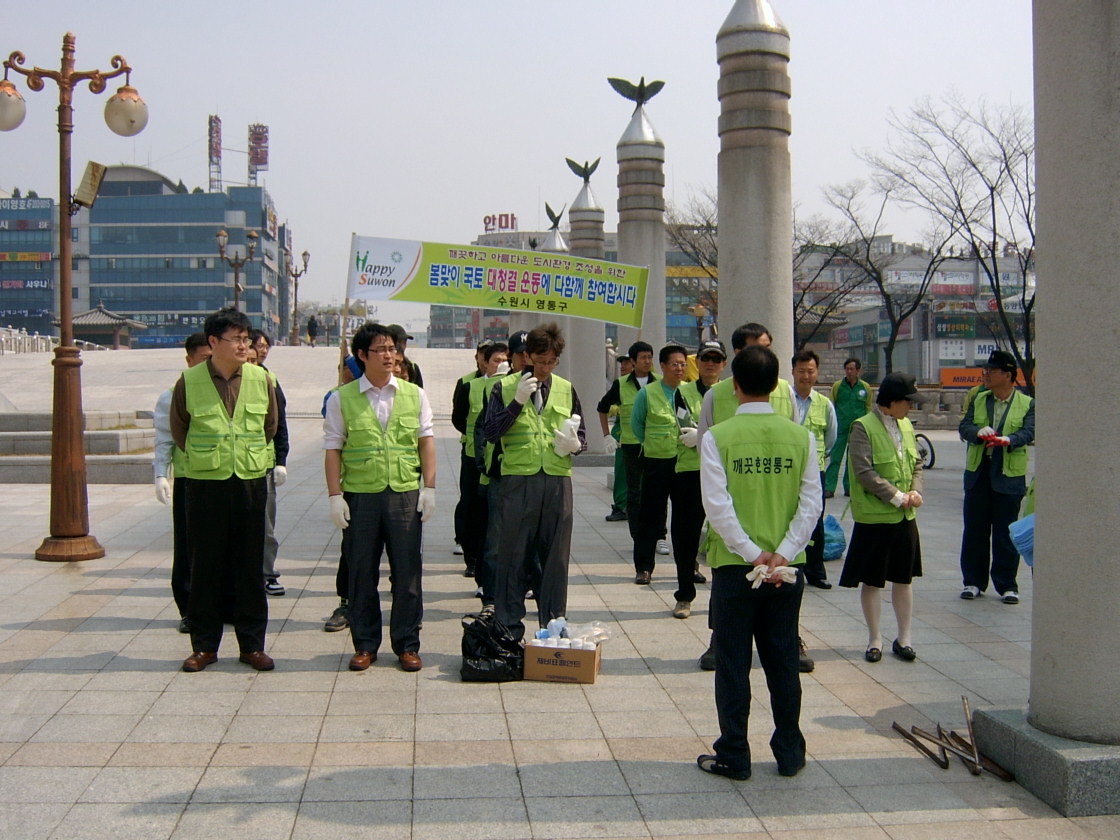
x=662, y=547
x=1010, y=597
x=683, y=609
x=970, y=593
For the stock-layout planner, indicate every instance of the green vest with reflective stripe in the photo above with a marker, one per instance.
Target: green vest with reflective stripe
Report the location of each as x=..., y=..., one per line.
x=527, y=444
x=892, y=466
x=219, y=446
x=627, y=392
x=1014, y=461
x=374, y=458
x=478, y=396
x=688, y=457
x=816, y=421
x=662, y=429
x=764, y=457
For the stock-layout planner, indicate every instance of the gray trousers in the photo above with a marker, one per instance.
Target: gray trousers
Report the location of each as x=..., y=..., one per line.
x=271, y=544
x=536, y=522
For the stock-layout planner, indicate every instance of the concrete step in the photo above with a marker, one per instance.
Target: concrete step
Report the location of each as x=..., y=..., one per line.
x=108, y=442
x=100, y=469
x=40, y=421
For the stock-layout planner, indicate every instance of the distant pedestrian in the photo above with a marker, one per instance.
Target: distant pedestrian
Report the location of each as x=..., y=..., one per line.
x=312, y=330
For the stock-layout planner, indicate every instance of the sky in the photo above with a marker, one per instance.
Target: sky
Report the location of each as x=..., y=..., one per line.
x=416, y=119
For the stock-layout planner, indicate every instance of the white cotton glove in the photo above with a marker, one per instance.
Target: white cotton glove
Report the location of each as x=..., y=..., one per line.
x=761, y=574
x=163, y=489
x=502, y=369
x=565, y=440
x=571, y=426
x=610, y=445
x=526, y=387
x=986, y=432
x=689, y=437
x=340, y=512
x=279, y=475
x=426, y=505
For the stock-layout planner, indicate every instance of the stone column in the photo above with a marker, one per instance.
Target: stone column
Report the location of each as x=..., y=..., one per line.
x=641, y=221
x=583, y=355
x=755, y=203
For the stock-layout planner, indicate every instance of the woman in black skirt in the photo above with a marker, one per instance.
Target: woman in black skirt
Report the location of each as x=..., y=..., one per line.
x=883, y=457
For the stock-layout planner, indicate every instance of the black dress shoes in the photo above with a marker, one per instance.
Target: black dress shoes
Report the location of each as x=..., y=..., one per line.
x=903, y=651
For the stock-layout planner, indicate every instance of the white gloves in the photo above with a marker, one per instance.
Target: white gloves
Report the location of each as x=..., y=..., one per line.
x=502, y=369
x=565, y=441
x=279, y=475
x=526, y=387
x=610, y=445
x=689, y=437
x=986, y=432
x=761, y=574
x=340, y=512
x=163, y=489
x=426, y=505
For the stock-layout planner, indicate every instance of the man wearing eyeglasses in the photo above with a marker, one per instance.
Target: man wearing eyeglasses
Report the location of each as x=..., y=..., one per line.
x=223, y=418
x=536, y=416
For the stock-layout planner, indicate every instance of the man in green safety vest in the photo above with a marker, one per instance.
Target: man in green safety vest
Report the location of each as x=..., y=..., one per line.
x=760, y=481
x=851, y=396
x=998, y=427
x=223, y=417
x=536, y=416
x=814, y=412
x=380, y=465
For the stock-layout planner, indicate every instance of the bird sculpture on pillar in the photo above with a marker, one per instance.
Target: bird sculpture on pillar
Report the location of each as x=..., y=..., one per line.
x=640, y=93
x=587, y=170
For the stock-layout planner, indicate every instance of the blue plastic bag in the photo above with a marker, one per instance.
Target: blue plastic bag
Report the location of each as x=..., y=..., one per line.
x=1022, y=535
x=834, y=540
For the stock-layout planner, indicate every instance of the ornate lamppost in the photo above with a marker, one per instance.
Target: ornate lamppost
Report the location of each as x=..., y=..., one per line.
x=295, y=274
x=236, y=263
x=126, y=115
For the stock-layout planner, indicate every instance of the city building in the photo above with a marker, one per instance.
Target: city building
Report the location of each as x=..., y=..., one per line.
x=27, y=268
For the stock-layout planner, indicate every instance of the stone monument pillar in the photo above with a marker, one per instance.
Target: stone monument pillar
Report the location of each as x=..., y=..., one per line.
x=582, y=361
x=1066, y=748
x=755, y=194
x=641, y=209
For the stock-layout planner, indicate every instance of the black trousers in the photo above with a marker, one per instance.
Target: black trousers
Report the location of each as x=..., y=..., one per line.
x=180, y=547
x=460, y=518
x=342, y=576
x=769, y=616
x=814, y=551
x=632, y=463
x=472, y=532
x=987, y=517
x=385, y=522
x=536, y=523
x=661, y=483
x=226, y=524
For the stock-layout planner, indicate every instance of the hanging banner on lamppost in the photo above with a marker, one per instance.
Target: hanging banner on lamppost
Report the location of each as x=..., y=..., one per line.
x=496, y=278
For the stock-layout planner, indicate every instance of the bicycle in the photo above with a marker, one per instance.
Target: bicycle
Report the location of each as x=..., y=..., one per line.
x=925, y=451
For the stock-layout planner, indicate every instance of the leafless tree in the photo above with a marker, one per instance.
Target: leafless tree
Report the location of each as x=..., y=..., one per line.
x=819, y=292
x=872, y=255
x=972, y=167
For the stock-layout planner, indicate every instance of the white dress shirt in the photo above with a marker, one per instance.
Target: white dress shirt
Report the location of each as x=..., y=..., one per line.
x=165, y=444
x=720, y=507
x=381, y=399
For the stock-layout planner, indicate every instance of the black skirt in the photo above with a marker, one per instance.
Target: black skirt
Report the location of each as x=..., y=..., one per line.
x=883, y=552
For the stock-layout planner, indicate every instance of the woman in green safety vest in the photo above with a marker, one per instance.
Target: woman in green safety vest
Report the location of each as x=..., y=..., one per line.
x=886, y=494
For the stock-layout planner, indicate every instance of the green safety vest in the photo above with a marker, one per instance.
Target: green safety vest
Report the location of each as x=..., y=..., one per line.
x=816, y=421
x=764, y=457
x=725, y=403
x=374, y=458
x=527, y=444
x=627, y=392
x=892, y=466
x=468, y=379
x=1014, y=461
x=688, y=457
x=219, y=446
x=781, y=401
x=479, y=394
x=662, y=429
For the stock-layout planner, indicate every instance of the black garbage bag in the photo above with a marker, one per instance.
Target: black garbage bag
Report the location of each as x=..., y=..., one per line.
x=490, y=652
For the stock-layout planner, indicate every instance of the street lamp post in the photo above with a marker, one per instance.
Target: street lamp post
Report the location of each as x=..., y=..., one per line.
x=126, y=115
x=236, y=263
x=295, y=274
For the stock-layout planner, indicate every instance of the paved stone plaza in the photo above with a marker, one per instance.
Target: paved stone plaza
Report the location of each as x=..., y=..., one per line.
x=103, y=736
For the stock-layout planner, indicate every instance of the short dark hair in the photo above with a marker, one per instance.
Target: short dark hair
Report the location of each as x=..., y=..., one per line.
x=668, y=350
x=219, y=323
x=494, y=347
x=747, y=332
x=755, y=370
x=195, y=341
x=255, y=335
x=545, y=338
x=639, y=347
x=854, y=361
x=363, y=339
x=805, y=355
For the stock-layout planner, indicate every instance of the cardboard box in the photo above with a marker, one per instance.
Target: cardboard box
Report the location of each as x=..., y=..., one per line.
x=564, y=665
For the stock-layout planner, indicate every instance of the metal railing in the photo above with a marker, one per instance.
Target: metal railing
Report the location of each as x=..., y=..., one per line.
x=14, y=340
